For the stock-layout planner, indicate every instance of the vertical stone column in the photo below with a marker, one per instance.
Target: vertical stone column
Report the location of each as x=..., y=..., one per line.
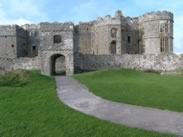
x=69, y=62
x=119, y=42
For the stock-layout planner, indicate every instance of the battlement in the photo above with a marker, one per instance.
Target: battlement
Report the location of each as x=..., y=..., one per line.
x=47, y=27
x=30, y=26
x=86, y=23
x=8, y=30
x=107, y=20
x=7, y=27
x=159, y=15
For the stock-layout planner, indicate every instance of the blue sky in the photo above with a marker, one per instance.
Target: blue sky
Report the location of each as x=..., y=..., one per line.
x=35, y=11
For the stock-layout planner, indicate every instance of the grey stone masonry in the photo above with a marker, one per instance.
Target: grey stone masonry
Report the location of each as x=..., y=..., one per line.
x=118, y=35
x=13, y=42
x=56, y=40
x=151, y=62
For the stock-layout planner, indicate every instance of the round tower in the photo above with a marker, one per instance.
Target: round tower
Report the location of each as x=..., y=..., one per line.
x=107, y=33
x=157, y=32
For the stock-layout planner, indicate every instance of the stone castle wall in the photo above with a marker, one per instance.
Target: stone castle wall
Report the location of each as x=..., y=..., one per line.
x=161, y=63
x=140, y=62
x=20, y=63
x=8, y=42
x=51, y=48
x=33, y=39
x=150, y=24
x=108, y=40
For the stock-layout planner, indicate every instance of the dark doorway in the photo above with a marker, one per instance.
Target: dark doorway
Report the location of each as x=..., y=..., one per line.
x=58, y=65
x=113, y=47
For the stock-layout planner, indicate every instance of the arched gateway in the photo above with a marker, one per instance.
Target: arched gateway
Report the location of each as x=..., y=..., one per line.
x=56, y=49
x=57, y=63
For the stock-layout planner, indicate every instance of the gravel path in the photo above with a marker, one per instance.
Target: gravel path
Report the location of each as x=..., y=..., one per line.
x=78, y=97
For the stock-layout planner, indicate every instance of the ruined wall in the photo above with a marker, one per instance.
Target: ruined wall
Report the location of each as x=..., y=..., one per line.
x=51, y=47
x=22, y=42
x=76, y=39
x=99, y=36
x=13, y=42
x=8, y=42
x=107, y=30
x=85, y=37
x=33, y=39
x=7, y=64
x=140, y=62
x=132, y=36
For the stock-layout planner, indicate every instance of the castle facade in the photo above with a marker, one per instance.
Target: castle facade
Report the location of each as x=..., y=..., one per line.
x=151, y=33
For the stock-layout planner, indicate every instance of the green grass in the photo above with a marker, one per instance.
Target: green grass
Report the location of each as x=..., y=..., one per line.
x=14, y=78
x=136, y=87
x=33, y=110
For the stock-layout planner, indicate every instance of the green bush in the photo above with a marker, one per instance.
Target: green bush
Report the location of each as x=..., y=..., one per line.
x=15, y=78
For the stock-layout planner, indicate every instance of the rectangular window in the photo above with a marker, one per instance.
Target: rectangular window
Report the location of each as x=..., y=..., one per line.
x=123, y=34
x=161, y=45
x=57, y=39
x=164, y=27
x=129, y=39
x=164, y=44
x=33, y=48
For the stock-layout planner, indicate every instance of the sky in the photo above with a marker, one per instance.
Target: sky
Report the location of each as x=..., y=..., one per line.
x=35, y=11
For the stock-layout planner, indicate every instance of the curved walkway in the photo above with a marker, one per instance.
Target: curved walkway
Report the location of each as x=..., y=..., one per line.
x=78, y=97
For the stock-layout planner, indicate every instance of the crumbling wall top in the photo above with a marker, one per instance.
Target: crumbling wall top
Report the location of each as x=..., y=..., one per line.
x=7, y=30
x=67, y=26
x=86, y=23
x=30, y=26
x=159, y=15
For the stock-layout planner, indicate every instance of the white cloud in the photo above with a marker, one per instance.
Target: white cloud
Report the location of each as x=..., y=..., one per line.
x=19, y=21
x=20, y=12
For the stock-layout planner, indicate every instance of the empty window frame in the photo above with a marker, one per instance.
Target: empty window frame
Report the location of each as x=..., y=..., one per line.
x=164, y=27
x=164, y=44
x=123, y=34
x=57, y=39
x=129, y=39
x=114, y=32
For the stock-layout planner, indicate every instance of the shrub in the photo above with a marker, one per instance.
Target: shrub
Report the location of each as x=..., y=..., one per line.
x=15, y=78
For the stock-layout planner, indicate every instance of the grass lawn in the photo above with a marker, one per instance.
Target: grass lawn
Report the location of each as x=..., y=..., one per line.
x=136, y=87
x=29, y=107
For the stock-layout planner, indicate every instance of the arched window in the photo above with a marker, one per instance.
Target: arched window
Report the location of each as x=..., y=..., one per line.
x=114, y=32
x=57, y=39
x=113, y=47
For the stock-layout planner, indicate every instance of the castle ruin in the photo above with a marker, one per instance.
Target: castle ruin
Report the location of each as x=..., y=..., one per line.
x=58, y=45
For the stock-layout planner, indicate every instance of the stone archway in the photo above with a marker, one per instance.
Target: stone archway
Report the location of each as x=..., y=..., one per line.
x=56, y=40
x=57, y=64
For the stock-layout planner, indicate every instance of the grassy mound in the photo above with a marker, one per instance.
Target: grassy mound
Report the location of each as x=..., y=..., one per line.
x=14, y=78
x=35, y=111
x=136, y=87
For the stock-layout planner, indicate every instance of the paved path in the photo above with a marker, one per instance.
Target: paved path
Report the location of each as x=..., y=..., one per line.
x=78, y=97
